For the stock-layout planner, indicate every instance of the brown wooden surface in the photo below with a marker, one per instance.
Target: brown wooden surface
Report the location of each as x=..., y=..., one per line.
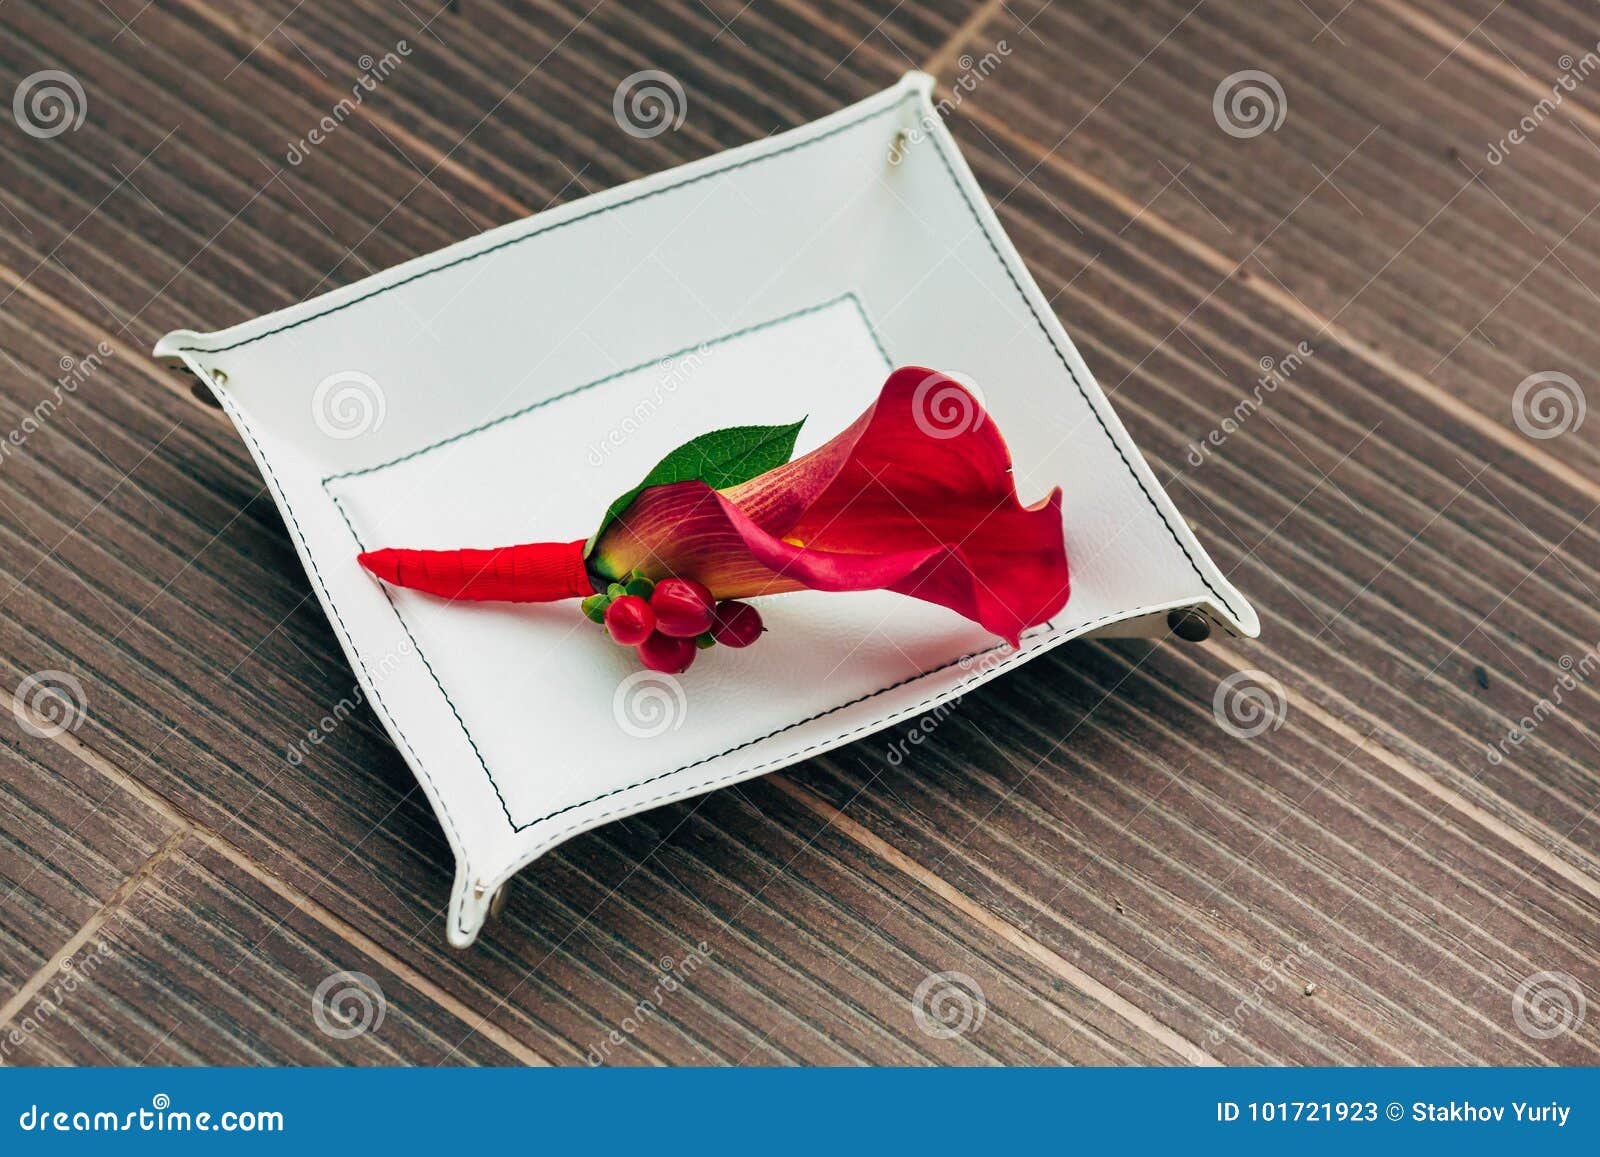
x=1123, y=880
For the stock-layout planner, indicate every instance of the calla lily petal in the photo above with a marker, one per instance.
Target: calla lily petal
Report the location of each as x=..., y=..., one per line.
x=916, y=496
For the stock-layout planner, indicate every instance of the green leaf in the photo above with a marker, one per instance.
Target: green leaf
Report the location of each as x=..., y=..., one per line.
x=720, y=459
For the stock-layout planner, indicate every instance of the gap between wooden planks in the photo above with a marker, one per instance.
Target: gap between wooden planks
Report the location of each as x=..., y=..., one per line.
x=1091, y=988
x=184, y=826
x=1384, y=364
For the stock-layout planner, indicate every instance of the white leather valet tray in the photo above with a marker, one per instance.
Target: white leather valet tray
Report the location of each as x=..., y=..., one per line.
x=507, y=388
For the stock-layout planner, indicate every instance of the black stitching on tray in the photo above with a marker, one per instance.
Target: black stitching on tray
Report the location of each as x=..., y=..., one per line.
x=518, y=240
x=437, y=682
x=738, y=333
x=743, y=772
x=316, y=574
x=405, y=626
x=1067, y=365
x=964, y=659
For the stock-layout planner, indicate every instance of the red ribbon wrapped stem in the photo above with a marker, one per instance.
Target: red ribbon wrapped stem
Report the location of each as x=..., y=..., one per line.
x=533, y=572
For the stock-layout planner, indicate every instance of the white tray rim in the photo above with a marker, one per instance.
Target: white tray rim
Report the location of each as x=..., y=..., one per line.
x=473, y=892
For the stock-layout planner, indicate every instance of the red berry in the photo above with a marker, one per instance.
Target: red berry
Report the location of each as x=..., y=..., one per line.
x=630, y=620
x=667, y=653
x=736, y=624
x=683, y=608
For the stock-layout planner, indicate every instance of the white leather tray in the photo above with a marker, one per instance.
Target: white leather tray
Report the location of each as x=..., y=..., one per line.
x=507, y=388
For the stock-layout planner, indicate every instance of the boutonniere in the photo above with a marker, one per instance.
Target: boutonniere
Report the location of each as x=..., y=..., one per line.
x=915, y=497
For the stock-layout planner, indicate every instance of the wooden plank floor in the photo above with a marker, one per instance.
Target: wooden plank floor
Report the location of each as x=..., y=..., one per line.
x=1117, y=878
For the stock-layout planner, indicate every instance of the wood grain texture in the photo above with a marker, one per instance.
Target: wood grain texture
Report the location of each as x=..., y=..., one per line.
x=1361, y=205
x=70, y=841
x=163, y=985
x=1123, y=880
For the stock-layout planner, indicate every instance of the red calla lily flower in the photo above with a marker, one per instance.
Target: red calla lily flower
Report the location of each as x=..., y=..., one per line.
x=903, y=500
